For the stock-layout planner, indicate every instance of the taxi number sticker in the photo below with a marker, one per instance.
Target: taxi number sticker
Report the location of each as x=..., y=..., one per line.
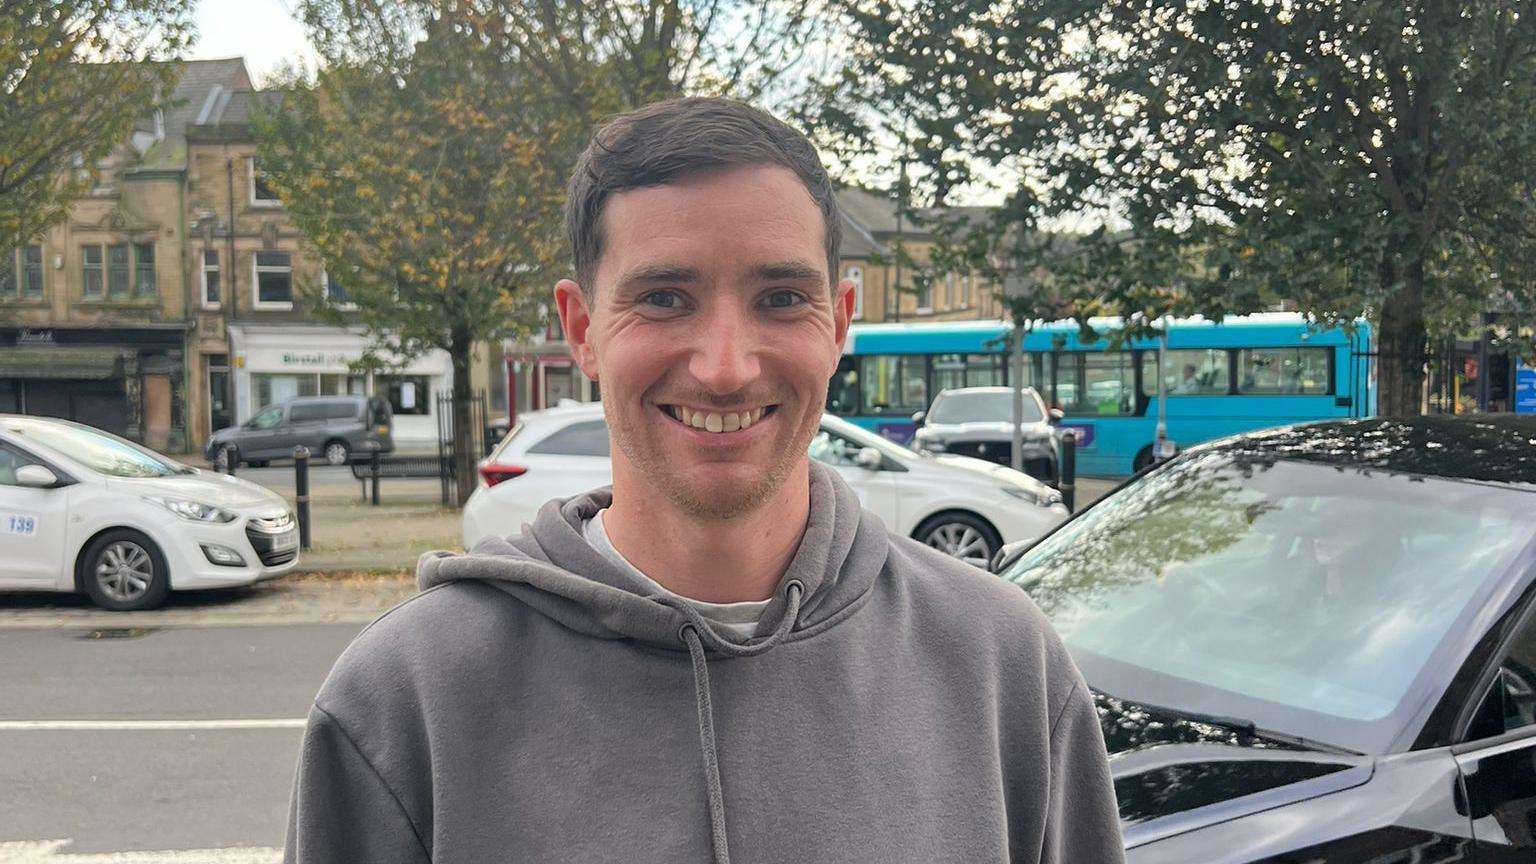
x=14, y=523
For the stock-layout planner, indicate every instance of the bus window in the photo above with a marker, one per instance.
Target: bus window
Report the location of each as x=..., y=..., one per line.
x=893, y=384
x=996, y=370
x=1110, y=384
x=948, y=372
x=843, y=390
x=1188, y=373
x=1102, y=383
x=1285, y=370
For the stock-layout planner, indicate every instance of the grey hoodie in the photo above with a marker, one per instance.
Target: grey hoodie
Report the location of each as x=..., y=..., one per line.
x=895, y=705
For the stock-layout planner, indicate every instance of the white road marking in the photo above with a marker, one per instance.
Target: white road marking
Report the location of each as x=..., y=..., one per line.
x=49, y=852
x=143, y=726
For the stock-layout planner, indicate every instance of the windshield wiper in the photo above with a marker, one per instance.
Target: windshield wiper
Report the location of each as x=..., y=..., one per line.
x=1241, y=725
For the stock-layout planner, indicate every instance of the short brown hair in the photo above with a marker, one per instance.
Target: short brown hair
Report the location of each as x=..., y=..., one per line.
x=667, y=141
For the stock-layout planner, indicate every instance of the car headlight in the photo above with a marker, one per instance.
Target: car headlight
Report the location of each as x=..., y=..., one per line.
x=195, y=511
x=1039, y=499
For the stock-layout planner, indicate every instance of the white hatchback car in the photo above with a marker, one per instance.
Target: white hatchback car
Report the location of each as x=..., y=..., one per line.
x=966, y=507
x=83, y=510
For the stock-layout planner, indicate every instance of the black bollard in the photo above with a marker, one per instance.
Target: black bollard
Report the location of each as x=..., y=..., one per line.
x=230, y=459
x=301, y=491
x=1068, y=484
x=373, y=469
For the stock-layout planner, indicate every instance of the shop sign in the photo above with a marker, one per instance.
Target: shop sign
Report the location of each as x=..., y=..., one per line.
x=315, y=358
x=35, y=337
x=1525, y=389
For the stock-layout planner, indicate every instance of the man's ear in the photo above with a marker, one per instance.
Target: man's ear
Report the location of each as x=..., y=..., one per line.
x=843, y=301
x=576, y=319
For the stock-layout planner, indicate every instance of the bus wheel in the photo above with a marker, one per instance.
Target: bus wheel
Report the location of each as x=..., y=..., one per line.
x=1143, y=459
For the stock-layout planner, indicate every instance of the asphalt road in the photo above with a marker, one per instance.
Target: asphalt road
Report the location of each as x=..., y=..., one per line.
x=112, y=740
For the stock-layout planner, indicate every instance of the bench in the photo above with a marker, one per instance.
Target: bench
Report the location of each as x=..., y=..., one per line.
x=400, y=466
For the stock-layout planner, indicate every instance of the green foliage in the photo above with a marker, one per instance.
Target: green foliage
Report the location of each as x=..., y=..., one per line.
x=73, y=80
x=1345, y=157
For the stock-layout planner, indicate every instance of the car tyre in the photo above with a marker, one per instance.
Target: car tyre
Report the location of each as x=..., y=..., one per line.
x=960, y=535
x=337, y=452
x=123, y=571
x=257, y=463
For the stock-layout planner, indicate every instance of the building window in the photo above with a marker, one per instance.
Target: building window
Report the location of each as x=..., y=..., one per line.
x=21, y=274
x=856, y=276
x=970, y=290
x=343, y=385
x=261, y=194
x=117, y=270
x=144, y=268
x=925, y=297
x=274, y=280
x=211, y=274
x=407, y=394
x=268, y=388
x=335, y=292
x=94, y=272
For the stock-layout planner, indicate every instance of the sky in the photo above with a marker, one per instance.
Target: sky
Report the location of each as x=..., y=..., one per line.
x=264, y=32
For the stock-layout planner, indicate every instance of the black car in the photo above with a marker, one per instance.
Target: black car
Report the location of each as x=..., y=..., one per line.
x=1314, y=644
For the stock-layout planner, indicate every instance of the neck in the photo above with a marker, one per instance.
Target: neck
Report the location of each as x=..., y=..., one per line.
x=717, y=561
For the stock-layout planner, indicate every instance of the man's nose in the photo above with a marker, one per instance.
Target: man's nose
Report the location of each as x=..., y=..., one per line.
x=725, y=359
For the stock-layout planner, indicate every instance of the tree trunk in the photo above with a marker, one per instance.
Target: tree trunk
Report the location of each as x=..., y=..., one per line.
x=1402, y=340
x=465, y=460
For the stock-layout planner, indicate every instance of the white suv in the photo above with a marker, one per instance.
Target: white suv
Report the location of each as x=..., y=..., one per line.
x=966, y=507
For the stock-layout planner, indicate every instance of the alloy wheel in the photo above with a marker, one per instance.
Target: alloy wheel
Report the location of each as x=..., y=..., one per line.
x=962, y=541
x=125, y=571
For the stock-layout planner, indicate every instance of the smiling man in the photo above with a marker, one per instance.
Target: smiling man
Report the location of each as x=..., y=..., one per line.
x=722, y=656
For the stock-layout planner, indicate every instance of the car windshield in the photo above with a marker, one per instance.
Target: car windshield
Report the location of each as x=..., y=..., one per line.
x=98, y=451
x=1305, y=597
x=990, y=407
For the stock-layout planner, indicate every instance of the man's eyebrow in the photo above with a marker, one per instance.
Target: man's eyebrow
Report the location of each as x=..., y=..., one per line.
x=788, y=271
x=649, y=274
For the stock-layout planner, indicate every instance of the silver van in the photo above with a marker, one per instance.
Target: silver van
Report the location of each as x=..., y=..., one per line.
x=336, y=429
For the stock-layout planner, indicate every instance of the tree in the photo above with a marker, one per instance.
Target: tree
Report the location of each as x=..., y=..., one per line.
x=1347, y=157
x=427, y=159
x=74, y=77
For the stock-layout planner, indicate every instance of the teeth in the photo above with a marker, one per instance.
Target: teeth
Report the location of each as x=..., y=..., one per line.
x=728, y=422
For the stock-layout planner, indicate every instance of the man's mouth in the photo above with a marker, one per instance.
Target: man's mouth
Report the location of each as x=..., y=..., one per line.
x=718, y=421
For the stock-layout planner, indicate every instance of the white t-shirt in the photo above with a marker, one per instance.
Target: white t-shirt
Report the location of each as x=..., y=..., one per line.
x=737, y=620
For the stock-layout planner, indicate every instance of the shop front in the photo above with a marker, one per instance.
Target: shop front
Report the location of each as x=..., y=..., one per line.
x=126, y=380
x=274, y=363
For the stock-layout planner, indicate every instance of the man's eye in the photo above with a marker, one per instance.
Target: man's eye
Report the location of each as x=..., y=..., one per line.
x=785, y=299
x=662, y=299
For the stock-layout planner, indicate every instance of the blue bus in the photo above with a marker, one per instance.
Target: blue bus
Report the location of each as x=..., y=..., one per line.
x=1240, y=374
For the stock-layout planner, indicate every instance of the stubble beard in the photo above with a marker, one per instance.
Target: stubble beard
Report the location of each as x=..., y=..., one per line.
x=715, y=505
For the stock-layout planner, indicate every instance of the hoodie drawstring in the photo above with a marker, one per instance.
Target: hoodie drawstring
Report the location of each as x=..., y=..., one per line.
x=694, y=634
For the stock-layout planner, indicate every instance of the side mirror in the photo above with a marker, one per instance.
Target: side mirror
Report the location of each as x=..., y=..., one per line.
x=919, y=417
x=1055, y=416
x=36, y=477
x=871, y=459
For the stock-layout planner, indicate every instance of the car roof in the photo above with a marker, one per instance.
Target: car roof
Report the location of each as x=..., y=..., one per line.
x=1485, y=448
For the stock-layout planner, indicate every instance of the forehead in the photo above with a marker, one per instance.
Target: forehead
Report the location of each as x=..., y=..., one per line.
x=721, y=221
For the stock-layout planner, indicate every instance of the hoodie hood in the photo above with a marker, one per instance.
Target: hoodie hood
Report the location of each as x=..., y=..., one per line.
x=551, y=567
